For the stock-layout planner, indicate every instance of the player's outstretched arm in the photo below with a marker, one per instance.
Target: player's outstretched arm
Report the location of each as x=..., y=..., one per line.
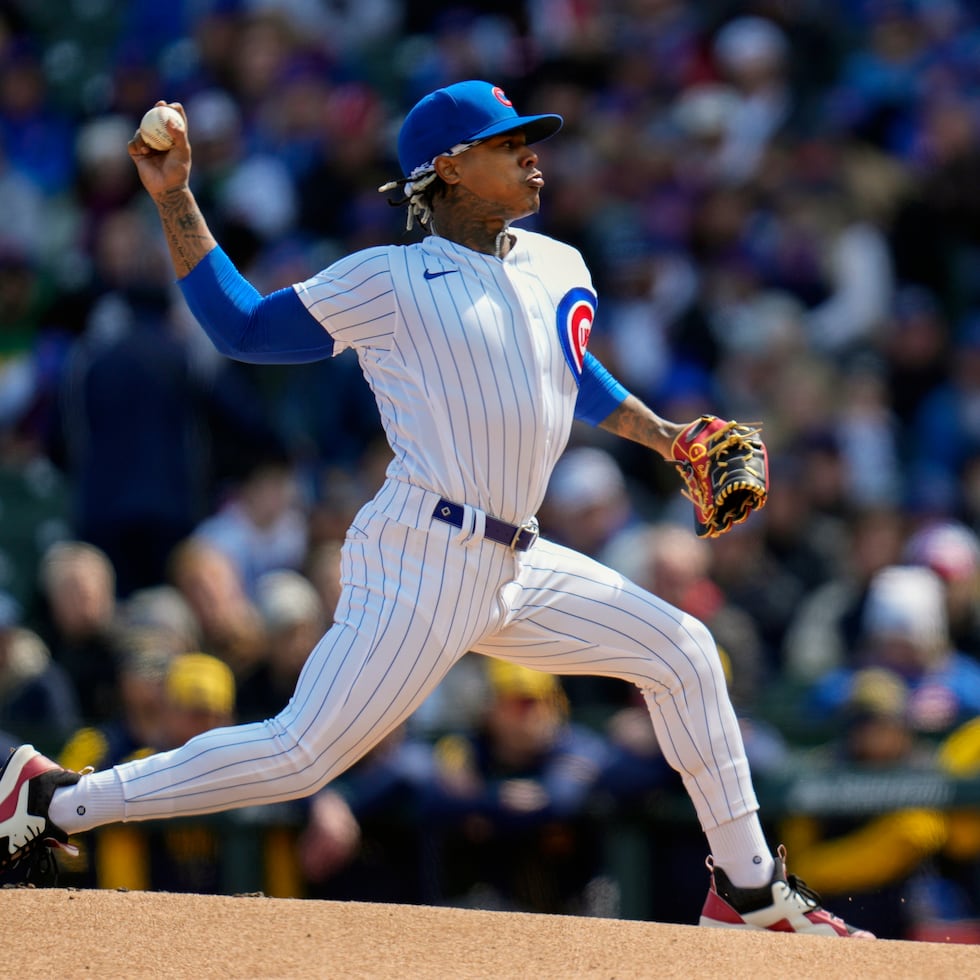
x=633, y=420
x=165, y=174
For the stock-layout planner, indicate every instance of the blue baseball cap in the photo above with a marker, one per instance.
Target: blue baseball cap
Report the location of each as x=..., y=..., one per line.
x=463, y=113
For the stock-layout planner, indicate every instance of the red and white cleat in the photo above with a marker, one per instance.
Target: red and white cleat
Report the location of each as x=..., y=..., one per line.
x=784, y=905
x=27, y=783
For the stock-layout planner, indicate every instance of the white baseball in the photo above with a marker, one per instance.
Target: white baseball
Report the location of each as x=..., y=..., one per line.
x=153, y=127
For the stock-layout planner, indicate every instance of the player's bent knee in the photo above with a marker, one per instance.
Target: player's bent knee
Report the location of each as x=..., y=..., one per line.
x=690, y=657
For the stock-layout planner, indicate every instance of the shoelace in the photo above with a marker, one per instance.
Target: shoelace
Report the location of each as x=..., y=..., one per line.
x=37, y=869
x=804, y=891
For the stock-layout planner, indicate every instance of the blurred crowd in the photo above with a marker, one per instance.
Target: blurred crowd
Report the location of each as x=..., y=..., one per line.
x=780, y=204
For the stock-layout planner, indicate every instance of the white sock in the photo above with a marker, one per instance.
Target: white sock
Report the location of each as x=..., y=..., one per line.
x=94, y=800
x=739, y=848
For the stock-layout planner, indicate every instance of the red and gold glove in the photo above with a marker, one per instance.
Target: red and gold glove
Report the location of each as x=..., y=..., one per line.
x=726, y=471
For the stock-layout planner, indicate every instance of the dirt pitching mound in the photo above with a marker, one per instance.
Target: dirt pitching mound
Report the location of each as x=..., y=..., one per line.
x=74, y=933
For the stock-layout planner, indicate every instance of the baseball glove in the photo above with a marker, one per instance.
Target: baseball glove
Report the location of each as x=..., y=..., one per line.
x=726, y=471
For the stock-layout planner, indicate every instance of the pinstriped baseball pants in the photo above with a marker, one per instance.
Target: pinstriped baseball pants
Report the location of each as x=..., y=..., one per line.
x=417, y=595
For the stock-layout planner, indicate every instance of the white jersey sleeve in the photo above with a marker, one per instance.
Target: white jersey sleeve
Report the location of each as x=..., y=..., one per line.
x=353, y=299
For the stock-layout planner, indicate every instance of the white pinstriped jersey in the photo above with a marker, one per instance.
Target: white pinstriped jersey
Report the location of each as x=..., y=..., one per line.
x=474, y=360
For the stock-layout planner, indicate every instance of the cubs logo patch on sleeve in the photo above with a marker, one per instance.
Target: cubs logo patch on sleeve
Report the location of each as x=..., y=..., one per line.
x=576, y=311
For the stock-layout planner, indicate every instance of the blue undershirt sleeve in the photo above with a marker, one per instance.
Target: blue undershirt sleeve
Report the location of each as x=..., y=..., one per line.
x=246, y=326
x=599, y=393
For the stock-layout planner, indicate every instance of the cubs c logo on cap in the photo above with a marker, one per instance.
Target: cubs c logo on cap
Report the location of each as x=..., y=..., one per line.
x=498, y=94
x=576, y=311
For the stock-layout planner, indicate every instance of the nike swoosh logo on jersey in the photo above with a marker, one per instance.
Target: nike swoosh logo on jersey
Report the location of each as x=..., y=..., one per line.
x=436, y=275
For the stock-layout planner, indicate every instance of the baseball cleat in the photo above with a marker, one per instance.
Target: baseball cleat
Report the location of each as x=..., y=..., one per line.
x=27, y=783
x=784, y=905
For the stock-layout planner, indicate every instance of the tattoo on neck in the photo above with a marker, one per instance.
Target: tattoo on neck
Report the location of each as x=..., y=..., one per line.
x=468, y=220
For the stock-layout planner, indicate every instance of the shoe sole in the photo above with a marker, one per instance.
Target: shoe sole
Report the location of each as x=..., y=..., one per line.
x=824, y=929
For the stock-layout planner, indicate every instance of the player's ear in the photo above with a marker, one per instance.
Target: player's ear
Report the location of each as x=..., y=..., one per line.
x=446, y=168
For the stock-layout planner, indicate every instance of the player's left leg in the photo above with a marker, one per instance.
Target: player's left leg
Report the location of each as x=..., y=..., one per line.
x=567, y=614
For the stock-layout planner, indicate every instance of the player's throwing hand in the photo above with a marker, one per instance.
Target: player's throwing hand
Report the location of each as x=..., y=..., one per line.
x=163, y=170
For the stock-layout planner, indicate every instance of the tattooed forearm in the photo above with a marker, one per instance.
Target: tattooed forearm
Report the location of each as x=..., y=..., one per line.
x=634, y=421
x=188, y=236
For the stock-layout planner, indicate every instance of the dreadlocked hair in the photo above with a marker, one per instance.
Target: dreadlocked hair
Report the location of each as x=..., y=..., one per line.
x=420, y=186
x=417, y=196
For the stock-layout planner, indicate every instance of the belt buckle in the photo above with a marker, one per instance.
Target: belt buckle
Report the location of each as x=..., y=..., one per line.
x=530, y=527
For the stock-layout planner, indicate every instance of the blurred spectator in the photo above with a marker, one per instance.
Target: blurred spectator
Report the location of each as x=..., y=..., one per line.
x=850, y=224
x=137, y=726
x=914, y=343
x=702, y=114
x=162, y=612
x=587, y=503
x=37, y=136
x=680, y=571
x=129, y=407
x=760, y=334
x=651, y=300
x=877, y=734
x=955, y=907
x=37, y=699
x=952, y=551
x=945, y=432
x=231, y=625
x=327, y=422
x=349, y=160
x=457, y=704
x=824, y=631
x=755, y=582
x=104, y=184
x=814, y=446
x=805, y=543
x=510, y=802
x=249, y=194
x=364, y=839
x=753, y=54
x=876, y=93
x=36, y=513
x=260, y=526
x=905, y=629
x=25, y=210
x=25, y=374
x=295, y=620
x=80, y=623
x=869, y=437
x=199, y=694
x=934, y=234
